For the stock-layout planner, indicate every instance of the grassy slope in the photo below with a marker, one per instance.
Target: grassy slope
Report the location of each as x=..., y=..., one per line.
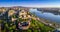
x=38, y=26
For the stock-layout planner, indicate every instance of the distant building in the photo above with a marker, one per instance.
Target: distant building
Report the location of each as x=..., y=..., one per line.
x=11, y=12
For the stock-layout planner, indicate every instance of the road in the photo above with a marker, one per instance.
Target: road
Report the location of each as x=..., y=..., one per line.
x=44, y=22
x=48, y=24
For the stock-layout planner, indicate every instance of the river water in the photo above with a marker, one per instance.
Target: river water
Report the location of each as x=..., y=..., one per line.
x=46, y=15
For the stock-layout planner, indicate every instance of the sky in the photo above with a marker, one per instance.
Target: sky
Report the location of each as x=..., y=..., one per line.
x=30, y=3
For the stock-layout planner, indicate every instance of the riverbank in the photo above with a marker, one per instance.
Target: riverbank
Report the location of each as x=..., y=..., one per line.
x=48, y=23
x=57, y=10
x=45, y=21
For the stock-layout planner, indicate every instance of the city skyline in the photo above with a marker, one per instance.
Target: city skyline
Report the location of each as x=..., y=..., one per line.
x=30, y=3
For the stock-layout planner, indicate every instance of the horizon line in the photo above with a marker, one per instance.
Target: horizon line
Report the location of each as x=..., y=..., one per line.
x=35, y=6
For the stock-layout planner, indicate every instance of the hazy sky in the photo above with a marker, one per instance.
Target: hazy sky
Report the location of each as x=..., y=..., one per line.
x=30, y=3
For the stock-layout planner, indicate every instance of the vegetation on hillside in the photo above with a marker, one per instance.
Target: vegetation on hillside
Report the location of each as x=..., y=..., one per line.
x=36, y=26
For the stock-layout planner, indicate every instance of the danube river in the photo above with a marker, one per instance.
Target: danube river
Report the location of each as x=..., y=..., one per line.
x=46, y=15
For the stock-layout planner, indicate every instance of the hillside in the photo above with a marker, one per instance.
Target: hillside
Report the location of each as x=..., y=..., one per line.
x=22, y=21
